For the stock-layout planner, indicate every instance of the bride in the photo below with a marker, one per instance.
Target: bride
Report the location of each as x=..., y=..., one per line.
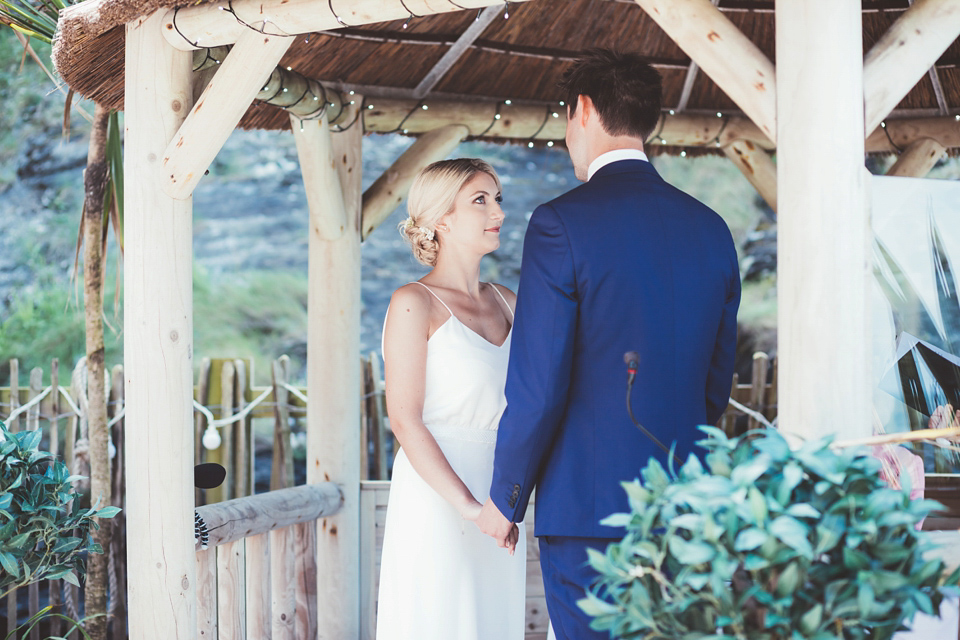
x=446, y=340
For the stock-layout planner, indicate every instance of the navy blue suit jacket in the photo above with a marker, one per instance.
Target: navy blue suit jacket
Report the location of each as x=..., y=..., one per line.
x=624, y=262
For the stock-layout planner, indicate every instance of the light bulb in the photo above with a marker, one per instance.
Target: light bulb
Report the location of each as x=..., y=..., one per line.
x=211, y=439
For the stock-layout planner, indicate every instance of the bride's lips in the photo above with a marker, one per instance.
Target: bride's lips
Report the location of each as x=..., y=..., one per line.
x=494, y=229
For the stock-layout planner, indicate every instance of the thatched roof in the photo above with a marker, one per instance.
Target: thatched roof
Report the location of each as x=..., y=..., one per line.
x=519, y=58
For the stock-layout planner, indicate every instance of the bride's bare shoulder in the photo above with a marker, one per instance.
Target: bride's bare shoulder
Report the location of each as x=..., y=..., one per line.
x=412, y=297
x=509, y=295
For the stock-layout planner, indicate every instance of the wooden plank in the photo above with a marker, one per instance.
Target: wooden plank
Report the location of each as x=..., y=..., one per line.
x=242, y=442
x=758, y=385
x=53, y=586
x=900, y=58
x=231, y=590
x=281, y=471
x=918, y=159
x=259, y=566
x=33, y=424
x=724, y=53
x=283, y=580
x=13, y=426
x=224, y=453
x=757, y=167
x=823, y=305
x=365, y=383
x=378, y=411
x=216, y=114
x=242, y=517
x=158, y=330
x=201, y=394
x=212, y=24
x=391, y=188
x=207, y=594
x=333, y=384
x=305, y=569
x=368, y=565
x=456, y=50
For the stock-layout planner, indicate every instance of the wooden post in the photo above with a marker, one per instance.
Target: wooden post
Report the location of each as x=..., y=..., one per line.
x=13, y=426
x=227, y=432
x=757, y=167
x=200, y=423
x=378, y=412
x=243, y=437
x=118, y=546
x=758, y=386
x=53, y=586
x=158, y=330
x=731, y=60
x=917, y=159
x=823, y=259
x=281, y=471
x=333, y=380
x=391, y=188
x=33, y=424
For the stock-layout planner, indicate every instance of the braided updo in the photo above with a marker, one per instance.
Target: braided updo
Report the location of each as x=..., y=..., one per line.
x=432, y=196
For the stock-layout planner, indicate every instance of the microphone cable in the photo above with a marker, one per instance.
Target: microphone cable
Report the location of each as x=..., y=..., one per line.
x=632, y=359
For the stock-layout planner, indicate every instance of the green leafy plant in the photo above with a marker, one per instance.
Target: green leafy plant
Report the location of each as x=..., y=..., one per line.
x=45, y=614
x=767, y=543
x=40, y=538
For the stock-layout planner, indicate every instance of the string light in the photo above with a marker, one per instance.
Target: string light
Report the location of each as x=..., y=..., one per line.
x=333, y=11
x=719, y=115
x=550, y=143
x=672, y=112
x=412, y=14
x=683, y=154
x=506, y=10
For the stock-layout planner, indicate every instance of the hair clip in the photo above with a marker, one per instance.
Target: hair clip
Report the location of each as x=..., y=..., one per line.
x=427, y=232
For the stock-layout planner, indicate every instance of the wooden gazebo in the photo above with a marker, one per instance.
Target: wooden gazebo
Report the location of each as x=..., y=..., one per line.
x=851, y=78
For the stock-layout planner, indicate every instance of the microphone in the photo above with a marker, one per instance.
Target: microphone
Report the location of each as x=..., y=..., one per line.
x=632, y=360
x=208, y=475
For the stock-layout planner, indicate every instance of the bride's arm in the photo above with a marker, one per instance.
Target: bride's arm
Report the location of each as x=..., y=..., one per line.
x=405, y=365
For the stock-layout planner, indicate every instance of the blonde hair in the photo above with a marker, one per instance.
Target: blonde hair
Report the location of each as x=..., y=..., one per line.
x=432, y=196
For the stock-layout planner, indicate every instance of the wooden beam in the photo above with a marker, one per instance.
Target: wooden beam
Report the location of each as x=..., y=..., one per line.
x=908, y=49
x=328, y=217
x=822, y=246
x=757, y=167
x=333, y=386
x=391, y=188
x=456, y=51
x=692, y=72
x=724, y=53
x=254, y=515
x=222, y=22
x=216, y=114
x=901, y=133
x=158, y=331
x=917, y=159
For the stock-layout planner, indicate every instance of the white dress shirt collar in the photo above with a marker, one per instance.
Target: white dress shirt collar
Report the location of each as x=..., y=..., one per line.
x=614, y=156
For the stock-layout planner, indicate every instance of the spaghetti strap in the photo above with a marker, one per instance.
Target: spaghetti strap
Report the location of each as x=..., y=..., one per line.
x=434, y=295
x=505, y=303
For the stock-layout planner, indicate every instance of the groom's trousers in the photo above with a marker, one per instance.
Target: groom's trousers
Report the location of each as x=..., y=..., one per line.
x=566, y=577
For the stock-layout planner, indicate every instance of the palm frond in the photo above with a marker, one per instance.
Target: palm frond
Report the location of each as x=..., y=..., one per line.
x=947, y=294
x=910, y=314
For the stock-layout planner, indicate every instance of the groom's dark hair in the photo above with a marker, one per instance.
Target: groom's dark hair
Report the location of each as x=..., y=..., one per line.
x=624, y=88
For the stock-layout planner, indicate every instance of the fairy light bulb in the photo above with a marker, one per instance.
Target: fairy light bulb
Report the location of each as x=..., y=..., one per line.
x=211, y=439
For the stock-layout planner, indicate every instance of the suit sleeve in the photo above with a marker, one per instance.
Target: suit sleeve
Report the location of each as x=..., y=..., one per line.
x=720, y=376
x=541, y=353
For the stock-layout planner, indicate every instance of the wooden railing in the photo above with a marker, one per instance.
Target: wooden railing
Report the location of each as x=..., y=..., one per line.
x=258, y=576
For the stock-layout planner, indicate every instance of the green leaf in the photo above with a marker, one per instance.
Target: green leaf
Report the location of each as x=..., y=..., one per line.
x=690, y=553
x=750, y=539
x=109, y=512
x=792, y=533
x=9, y=564
x=810, y=621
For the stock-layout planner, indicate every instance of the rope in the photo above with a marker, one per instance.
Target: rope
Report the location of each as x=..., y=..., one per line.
x=34, y=401
x=759, y=417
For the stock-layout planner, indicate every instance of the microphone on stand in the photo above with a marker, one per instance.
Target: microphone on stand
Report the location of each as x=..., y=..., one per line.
x=632, y=360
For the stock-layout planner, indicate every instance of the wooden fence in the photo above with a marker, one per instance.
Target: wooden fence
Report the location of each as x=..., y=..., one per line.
x=271, y=537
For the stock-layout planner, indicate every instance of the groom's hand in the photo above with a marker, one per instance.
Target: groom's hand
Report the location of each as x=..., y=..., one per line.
x=494, y=524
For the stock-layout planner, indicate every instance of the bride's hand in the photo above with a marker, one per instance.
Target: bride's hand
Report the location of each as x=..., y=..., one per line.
x=513, y=538
x=471, y=511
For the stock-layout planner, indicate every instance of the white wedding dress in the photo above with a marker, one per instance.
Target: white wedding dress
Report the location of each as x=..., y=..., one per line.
x=440, y=577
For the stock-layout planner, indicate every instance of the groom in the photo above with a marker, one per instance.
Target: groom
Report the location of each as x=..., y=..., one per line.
x=624, y=262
